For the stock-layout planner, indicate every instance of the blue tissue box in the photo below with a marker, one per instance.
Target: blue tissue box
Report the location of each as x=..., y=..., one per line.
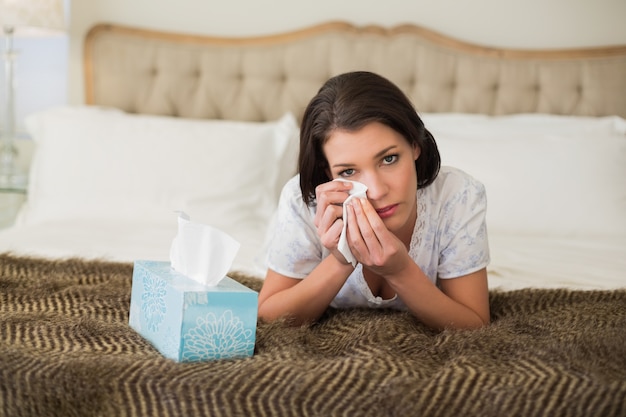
x=187, y=321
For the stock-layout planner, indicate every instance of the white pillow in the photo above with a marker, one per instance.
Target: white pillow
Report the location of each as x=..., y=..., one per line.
x=95, y=163
x=544, y=175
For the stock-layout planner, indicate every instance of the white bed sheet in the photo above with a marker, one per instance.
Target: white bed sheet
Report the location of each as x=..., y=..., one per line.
x=542, y=262
x=117, y=241
x=516, y=262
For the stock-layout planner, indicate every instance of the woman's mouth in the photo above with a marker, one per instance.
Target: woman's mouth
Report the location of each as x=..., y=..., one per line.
x=387, y=211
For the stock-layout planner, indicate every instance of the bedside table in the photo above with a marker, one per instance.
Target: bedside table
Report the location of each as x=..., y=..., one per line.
x=11, y=199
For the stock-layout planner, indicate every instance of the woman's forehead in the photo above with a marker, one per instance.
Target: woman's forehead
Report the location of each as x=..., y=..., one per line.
x=373, y=140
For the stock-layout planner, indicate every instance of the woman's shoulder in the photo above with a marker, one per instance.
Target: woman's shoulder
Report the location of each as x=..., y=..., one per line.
x=452, y=178
x=453, y=183
x=291, y=195
x=293, y=185
x=291, y=190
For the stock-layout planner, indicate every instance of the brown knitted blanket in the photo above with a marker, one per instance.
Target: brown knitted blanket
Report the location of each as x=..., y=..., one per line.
x=66, y=350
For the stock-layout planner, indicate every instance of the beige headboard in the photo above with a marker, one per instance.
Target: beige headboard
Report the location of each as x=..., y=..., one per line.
x=144, y=71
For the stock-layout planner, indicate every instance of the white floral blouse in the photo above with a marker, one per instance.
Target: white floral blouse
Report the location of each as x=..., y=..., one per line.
x=449, y=238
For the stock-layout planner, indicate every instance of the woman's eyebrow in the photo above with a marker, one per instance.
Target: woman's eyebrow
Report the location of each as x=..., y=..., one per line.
x=384, y=151
x=378, y=155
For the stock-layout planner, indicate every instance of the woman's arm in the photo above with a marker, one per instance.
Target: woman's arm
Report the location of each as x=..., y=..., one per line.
x=305, y=300
x=461, y=302
x=302, y=300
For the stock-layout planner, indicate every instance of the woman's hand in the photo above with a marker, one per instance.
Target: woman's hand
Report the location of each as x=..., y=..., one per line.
x=329, y=215
x=371, y=243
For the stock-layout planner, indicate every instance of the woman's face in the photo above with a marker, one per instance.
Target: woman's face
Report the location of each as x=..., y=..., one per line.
x=382, y=159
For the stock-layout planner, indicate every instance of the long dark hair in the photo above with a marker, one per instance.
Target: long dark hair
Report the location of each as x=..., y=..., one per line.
x=349, y=102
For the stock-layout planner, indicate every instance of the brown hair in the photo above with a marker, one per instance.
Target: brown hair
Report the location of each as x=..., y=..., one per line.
x=349, y=102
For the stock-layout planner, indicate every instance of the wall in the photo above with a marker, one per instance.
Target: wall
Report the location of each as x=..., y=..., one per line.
x=506, y=23
x=512, y=23
x=40, y=76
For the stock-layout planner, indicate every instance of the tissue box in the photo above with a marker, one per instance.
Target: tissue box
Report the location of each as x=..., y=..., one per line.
x=187, y=321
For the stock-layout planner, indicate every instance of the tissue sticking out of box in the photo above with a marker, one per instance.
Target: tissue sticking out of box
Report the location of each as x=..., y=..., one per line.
x=201, y=252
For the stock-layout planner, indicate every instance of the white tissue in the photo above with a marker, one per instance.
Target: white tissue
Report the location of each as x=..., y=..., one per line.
x=201, y=252
x=358, y=191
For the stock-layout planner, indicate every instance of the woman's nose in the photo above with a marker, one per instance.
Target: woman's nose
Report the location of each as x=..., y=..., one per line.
x=376, y=187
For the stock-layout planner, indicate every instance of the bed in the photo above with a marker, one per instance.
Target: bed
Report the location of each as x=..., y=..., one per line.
x=209, y=126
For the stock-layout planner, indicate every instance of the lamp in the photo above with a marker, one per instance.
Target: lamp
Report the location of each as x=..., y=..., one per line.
x=30, y=18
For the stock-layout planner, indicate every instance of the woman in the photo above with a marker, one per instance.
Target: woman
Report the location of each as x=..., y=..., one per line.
x=419, y=237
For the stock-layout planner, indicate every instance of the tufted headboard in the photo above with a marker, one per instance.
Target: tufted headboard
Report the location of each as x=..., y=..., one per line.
x=259, y=78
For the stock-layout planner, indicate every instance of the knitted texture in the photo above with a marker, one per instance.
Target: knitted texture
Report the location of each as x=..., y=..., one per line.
x=66, y=350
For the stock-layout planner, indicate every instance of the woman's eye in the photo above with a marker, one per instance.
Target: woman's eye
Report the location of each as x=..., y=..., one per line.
x=390, y=159
x=346, y=173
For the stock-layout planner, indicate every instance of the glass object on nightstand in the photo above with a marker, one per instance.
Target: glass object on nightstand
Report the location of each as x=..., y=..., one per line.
x=12, y=196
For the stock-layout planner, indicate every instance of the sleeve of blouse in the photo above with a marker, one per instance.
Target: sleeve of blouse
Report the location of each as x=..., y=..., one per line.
x=464, y=243
x=294, y=249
